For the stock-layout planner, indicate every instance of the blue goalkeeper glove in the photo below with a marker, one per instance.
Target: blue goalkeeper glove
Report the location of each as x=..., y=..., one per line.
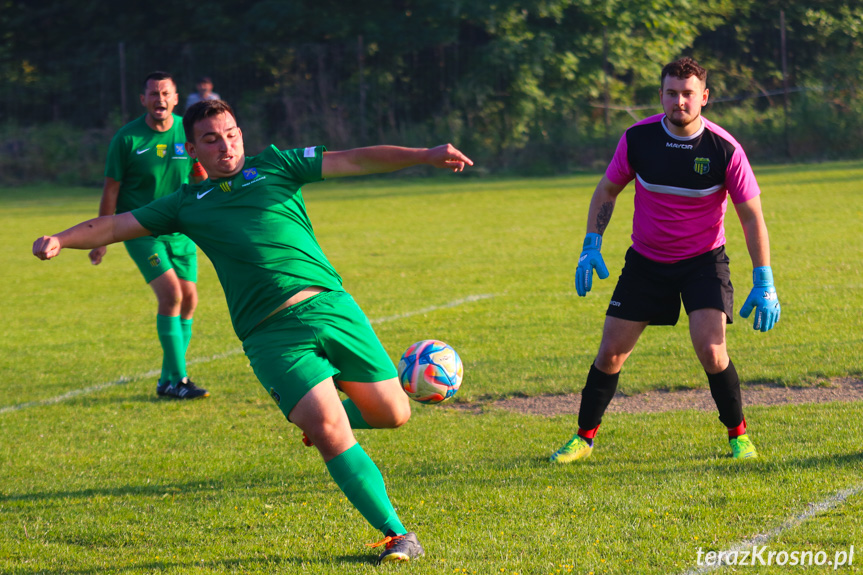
x=763, y=299
x=590, y=259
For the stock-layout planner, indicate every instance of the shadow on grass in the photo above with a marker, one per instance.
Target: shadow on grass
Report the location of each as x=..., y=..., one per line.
x=156, y=489
x=854, y=459
x=764, y=464
x=287, y=564
x=161, y=490
x=608, y=466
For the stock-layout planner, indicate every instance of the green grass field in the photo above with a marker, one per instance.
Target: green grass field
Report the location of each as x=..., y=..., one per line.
x=112, y=480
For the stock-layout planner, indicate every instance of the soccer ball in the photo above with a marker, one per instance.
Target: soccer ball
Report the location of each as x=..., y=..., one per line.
x=430, y=371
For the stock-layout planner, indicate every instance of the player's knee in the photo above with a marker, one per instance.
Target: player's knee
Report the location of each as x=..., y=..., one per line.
x=713, y=358
x=402, y=413
x=326, y=431
x=609, y=362
x=169, y=298
x=395, y=413
x=188, y=304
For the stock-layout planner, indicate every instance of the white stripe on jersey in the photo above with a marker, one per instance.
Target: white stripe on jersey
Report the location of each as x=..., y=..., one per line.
x=674, y=191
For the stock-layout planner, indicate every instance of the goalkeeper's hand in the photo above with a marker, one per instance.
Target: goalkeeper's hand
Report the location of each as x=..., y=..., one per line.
x=762, y=299
x=590, y=259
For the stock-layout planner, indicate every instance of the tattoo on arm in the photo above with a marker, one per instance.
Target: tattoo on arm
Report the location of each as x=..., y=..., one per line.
x=604, y=216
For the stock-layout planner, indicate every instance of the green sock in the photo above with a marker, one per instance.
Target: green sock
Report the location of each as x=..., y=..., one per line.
x=186, y=325
x=173, y=357
x=361, y=481
x=354, y=415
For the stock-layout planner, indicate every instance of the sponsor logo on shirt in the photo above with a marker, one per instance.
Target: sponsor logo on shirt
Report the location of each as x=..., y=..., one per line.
x=226, y=186
x=309, y=152
x=161, y=149
x=179, y=150
x=139, y=152
x=678, y=146
x=701, y=166
x=250, y=173
x=275, y=395
x=202, y=194
x=154, y=260
x=258, y=179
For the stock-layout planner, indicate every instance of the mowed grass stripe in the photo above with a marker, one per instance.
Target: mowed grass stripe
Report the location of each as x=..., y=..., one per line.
x=200, y=360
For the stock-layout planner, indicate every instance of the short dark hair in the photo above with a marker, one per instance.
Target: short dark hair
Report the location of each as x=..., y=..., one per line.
x=204, y=80
x=201, y=111
x=683, y=69
x=159, y=76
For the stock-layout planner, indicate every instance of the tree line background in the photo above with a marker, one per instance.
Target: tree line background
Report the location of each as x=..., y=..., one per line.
x=531, y=87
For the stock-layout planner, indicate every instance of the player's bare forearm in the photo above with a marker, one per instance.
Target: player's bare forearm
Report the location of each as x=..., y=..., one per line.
x=383, y=159
x=93, y=233
x=755, y=231
x=602, y=206
x=758, y=245
x=107, y=207
x=110, y=192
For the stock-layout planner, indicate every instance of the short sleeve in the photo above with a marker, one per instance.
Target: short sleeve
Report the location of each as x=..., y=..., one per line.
x=739, y=178
x=304, y=164
x=115, y=165
x=160, y=216
x=619, y=171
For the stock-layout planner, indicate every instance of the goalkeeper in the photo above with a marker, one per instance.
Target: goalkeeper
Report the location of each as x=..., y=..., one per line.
x=685, y=168
x=302, y=333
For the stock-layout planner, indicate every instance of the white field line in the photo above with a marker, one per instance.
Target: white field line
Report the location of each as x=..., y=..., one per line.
x=154, y=372
x=456, y=303
x=836, y=500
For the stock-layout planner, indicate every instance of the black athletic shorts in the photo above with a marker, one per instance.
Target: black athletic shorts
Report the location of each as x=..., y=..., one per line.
x=651, y=291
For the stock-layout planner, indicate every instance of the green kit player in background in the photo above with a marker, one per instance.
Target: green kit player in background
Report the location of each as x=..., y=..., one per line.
x=148, y=160
x=303, y=334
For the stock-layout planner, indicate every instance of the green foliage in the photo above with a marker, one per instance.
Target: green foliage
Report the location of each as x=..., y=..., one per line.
x=533, y=87
x=56, y=152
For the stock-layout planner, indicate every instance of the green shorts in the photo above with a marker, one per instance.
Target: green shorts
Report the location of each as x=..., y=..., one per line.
x=155, y=256
x=326, y=335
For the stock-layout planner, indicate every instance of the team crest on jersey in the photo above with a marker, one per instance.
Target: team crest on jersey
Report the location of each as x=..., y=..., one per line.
x=161, y=149
x=250, y=173
x=701, y=166
x=275, y=395
x=226, y=186
x=154, y=260
x=179, y=149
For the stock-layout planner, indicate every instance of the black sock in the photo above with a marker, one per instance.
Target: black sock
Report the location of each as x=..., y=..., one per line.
x=595, y=397
x=725, y=389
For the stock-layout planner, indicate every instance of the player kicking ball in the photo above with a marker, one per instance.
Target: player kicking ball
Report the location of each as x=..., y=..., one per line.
x=685, y=168
x=303, y=334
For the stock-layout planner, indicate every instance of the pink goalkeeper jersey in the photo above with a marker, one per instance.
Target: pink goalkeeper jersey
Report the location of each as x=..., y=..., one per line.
x=681, y=186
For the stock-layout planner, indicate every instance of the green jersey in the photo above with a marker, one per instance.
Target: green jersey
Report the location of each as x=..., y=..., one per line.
x=148, y=164
x=255, y=229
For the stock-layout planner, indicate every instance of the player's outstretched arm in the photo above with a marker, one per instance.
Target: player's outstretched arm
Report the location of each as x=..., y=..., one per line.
x=762, y=298
x=93, y=233
x=107, y=207
x=382, y=159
